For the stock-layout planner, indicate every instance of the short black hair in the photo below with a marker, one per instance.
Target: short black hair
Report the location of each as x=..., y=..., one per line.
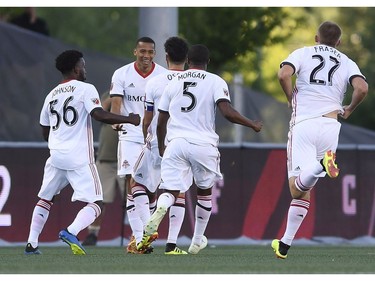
x=145, y=39
x=67, y=60
x=199, y=54
x=177, y=49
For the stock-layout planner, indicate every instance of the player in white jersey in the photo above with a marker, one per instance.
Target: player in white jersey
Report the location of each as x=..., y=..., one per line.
x=323, y=73
x=128, y=96
x=188, y=105
x=66, y=122
x=147, y=175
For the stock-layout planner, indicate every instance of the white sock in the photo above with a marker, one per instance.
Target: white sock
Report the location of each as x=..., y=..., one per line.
x=135, y=221
x=165, y=200
x=297, y=212
x=141, y=203
x=84, y=218
x=202, y=216
x=38, y=220
x=176, y=218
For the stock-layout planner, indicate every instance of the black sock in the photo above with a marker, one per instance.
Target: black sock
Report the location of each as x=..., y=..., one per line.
x=170, y=247
x=283, y=248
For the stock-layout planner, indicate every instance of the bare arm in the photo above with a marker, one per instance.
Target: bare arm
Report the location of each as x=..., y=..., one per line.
x=45, y=132
x=234, y=116
x=161, y=130
x=116, y=102
x=106, y=103
x=147, y=118
x=360, y=90
x=99, y=114
x=285, y=79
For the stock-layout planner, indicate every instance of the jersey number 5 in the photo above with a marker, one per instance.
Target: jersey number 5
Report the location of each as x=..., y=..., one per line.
x=190, y=96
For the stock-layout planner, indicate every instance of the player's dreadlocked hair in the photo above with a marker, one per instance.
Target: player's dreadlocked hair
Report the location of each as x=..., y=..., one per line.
x=67, y=60
x=177, y=49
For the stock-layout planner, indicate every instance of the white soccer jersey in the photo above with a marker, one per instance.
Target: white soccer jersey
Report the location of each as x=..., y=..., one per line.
x=323, y=74
x=191, y=98
x=67, y=110
x=154, y=89
x=129, y=83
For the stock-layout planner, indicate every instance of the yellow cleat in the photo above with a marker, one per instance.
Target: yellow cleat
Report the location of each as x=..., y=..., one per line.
x=146, y=241
x=329, y=164
x=276, y=248
x=176, y=251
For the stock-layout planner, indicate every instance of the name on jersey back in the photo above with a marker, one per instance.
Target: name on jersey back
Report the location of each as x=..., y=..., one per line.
x=65, y=89
x=190, y=74
x=322, y=48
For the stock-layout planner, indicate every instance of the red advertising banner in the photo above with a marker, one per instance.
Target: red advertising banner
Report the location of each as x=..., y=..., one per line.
x=251, y=201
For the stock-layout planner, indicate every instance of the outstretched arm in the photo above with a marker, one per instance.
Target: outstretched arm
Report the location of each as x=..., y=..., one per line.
x=234, y=116
x=99, y=114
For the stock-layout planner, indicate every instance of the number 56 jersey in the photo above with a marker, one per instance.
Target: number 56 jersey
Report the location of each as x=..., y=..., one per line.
x=323, y=74
x=66, y=111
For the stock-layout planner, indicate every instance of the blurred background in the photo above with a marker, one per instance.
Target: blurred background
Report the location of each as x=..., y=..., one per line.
x=247, y=45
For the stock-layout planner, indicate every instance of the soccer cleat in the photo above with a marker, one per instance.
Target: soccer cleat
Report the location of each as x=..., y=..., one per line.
x=132, y=245
x=132, y=248
x=194, y=248
x=73, y=242
x=151, y=228
x=90, y=240
x=155, y=220
x=176, y=251
x=29, y=250
x=146, y=241
x=330, y=167
x=280, y=249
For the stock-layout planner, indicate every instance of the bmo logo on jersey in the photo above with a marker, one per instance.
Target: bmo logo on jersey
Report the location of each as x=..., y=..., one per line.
x=135, y=98
x=5, y=219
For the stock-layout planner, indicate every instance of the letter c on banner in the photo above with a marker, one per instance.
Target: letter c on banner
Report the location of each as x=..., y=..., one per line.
x=349, y=205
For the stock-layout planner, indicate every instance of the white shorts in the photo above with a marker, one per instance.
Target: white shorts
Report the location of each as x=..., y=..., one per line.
x=111, y=182
x=308, y=141
x=84, y=181
x=180, y=156
x=147, y=169
x=127, y=155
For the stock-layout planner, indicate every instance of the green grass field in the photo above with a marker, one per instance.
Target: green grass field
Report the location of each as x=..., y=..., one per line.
x=219, y=260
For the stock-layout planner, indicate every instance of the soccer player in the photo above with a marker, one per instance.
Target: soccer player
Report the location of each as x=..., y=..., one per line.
x=106, y=163
x=188, y=105
x=323, y=73
x=147, y=175
x=128, y=96
x=66, y=122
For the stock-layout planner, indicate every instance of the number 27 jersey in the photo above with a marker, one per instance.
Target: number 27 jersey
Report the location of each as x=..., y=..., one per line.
x=323, y=74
